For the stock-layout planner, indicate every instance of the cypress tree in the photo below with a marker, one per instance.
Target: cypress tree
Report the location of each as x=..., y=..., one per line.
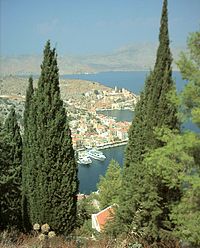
x=53, y=186
x=144, y=206
x=29, y=96
x=27, y=154
x=5, y=162
x=160, y=111
x=10, y=184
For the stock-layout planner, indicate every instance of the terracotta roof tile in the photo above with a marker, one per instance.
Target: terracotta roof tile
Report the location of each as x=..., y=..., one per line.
x=104, y=216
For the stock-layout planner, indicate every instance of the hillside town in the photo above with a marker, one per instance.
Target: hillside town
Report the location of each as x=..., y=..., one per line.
x=93, y=129
x=88, y=125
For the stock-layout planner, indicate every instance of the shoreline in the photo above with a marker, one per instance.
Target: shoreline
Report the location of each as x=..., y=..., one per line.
x=106, y=109
x=105, y=146
x=110, y=145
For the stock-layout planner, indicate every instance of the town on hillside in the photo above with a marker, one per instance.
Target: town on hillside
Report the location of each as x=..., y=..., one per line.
x=91, y=128
x=84, y=103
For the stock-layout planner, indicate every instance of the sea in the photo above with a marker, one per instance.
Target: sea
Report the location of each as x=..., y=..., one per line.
x=133, y=81
x=130, y=80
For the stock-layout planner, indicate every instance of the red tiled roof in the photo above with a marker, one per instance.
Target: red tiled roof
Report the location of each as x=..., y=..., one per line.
x=103, y=216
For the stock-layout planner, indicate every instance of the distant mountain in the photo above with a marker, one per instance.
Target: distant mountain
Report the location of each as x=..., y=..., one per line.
x=128, y=58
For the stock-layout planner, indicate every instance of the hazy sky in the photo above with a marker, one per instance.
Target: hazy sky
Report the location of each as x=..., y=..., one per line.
x=79, y=27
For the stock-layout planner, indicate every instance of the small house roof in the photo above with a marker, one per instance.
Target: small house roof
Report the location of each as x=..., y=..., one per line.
x=103, y=216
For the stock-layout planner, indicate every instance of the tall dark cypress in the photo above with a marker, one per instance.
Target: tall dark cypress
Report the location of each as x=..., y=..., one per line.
x=160, y=110
x=5, y=164
x=29, y=96
x=144, y=205
x=10, y=199
x=27, y=155
x=54, y=184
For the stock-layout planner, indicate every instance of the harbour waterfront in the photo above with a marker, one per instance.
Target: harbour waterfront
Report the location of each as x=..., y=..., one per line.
x=89, y=174
x=118, y=115
x=134, y=81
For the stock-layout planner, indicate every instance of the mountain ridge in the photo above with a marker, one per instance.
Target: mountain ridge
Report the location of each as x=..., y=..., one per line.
x=132, y=57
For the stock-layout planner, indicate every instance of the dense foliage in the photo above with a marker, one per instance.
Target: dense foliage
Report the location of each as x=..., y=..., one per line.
x=186, y=213
x=50, y=169
x=27, y=154
x=177, y=164
x=144, y=205
x=109, y=185
x=85, y=208
x=10, y=169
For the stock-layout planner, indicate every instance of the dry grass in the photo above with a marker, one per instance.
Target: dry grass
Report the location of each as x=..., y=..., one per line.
x=9, y=240
x=14, y=240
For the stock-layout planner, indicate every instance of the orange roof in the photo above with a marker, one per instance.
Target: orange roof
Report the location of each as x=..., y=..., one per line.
x=103, y=216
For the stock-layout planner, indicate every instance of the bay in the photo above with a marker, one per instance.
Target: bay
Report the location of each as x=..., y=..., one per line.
x=118, y=115
x=130, y=80
x=133, y=81
x=89, y=175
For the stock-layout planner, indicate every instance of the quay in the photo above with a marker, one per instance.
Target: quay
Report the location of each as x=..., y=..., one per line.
x=107, y=145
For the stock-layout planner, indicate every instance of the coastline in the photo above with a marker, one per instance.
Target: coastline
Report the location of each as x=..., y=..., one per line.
x=107, y=145
x=112, y=109
x=110, y=145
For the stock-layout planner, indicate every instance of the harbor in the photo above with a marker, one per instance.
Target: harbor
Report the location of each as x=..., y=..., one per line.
x=89, y=173
x=106, y=145
x=85, y=156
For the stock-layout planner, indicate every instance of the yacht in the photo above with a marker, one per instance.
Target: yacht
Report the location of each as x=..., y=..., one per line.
x=96, y=154
x=84, y=160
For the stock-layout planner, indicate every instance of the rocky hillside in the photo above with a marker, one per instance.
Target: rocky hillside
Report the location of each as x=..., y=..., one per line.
x=16, y=86
x=13, y=91
x=128, y=58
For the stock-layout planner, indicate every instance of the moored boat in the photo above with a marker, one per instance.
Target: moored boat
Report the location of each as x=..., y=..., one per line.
x=96, y=154
x=84, y=160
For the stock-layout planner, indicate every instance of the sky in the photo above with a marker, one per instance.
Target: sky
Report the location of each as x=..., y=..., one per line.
x=82, y=27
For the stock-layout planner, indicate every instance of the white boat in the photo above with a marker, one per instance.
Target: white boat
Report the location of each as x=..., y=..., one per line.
x=84, y=160
x=96, y=154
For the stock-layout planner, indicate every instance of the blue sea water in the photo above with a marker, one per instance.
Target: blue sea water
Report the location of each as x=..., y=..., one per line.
x=89, y=175
x=133, y=81
x=118, y=115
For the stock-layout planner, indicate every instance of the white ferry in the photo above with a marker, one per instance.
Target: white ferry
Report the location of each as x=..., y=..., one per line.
x=96, y=154
x=84, y=160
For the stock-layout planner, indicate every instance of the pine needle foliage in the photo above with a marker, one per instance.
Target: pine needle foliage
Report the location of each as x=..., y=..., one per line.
x=51, y=175
x=109, y=185
x=27, y=155
x=10, y=178
x=144, y=206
